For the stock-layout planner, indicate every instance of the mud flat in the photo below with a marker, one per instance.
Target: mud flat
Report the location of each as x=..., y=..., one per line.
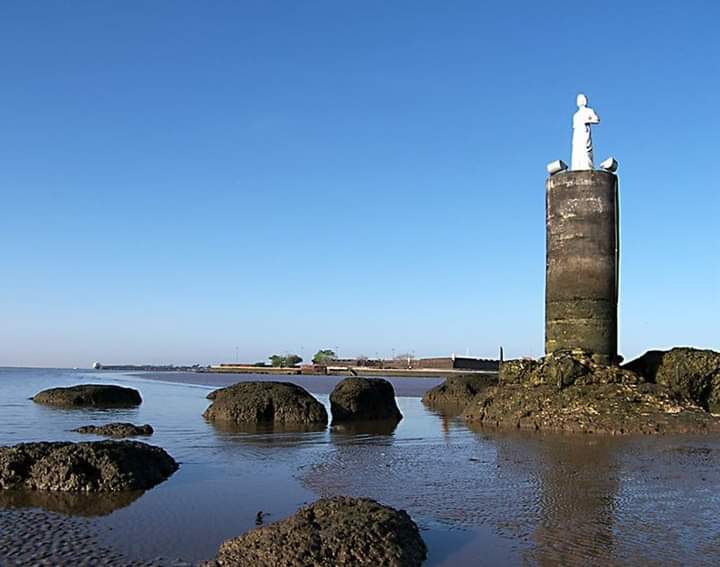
x=37, y=537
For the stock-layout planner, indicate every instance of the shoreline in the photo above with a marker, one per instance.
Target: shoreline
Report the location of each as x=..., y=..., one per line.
x=320, y=384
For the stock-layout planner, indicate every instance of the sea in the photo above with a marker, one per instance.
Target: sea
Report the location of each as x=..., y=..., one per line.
x=479, y=496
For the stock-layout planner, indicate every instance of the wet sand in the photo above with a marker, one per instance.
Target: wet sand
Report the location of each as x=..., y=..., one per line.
x=38, y=537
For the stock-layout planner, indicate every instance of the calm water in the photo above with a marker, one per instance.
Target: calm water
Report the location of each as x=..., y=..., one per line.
x=480, y=498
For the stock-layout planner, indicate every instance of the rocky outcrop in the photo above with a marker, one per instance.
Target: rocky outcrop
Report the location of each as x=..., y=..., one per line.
x=562, y=369
x=570, y=392
x=89, y=395
x=265, y=402
x=604, y=408
x=333, y=532
x=363, y=399
x=457, y=391
x=116, y=429
x=690, y=374
x=98, y=466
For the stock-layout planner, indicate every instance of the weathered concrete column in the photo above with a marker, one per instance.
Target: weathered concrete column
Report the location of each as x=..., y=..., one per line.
x=582, y=262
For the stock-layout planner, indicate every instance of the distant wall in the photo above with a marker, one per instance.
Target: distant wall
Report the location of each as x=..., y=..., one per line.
x=436, y=363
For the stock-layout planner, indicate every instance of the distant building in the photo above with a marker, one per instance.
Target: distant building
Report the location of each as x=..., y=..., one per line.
x=436, y=363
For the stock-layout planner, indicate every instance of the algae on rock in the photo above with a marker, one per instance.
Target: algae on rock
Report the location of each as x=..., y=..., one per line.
x=332, y=532
x=691, y=374
x=569, y=391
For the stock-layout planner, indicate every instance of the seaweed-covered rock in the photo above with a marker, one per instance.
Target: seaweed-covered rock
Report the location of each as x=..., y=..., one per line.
x=570, y=391
x=562, y=369
x=517, y=371
x=89, y=395
x=265, y=402
x=116, y=429
x=458, y=390
x=689, y=373
x=332, y=532
x=363, y=399
x=102, y=466
x=595, y=408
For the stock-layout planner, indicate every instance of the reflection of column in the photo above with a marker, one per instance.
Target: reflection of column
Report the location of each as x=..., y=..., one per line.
x=579, y=484
x=445, y=424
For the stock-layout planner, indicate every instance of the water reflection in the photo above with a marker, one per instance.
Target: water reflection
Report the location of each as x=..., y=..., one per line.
x=378, y=427
x=270, y=429
x=69, y=503
x=449, y=416
x=447, y=409
x=578, y=487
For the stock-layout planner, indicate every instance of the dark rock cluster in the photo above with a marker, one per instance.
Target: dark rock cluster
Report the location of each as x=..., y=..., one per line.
x=97, y=466
x=265, y=402
x=116, y=429
x=332, y=532
x=658, y=393
x=89, y=395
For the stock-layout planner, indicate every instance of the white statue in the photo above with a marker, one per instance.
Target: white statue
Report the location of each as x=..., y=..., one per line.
x=582, y=150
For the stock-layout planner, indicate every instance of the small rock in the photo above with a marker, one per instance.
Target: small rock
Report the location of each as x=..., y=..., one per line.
x=116, y=429
x=92, y=395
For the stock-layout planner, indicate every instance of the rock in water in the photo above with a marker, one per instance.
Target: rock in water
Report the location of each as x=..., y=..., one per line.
x=89, y=395
x=265, y=402
x=562, y=369
x=97, y=466
x=363, y=399
x=691, y=374
x=332, y=532
x=568, y=391
x=458, y=391
x=116, y=429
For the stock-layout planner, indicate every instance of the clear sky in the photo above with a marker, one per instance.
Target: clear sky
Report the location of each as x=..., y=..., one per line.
x=182, y=178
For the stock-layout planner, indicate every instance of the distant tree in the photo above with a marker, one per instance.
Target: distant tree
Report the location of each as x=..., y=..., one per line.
x=362, y=360
x=324, y=356
x=284, y=361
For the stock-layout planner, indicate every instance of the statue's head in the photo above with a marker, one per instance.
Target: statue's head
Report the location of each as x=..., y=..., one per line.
x=581, y=100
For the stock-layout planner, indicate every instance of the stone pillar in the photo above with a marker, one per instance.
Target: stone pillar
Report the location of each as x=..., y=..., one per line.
x=582, y=262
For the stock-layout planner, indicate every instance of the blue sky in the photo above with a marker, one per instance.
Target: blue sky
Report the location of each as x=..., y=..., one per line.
x=182, y=178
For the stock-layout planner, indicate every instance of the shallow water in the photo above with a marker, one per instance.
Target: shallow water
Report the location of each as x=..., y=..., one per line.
x=480, y=498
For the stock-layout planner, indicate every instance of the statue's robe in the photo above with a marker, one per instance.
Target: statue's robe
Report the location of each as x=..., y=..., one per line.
x=582, y=150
